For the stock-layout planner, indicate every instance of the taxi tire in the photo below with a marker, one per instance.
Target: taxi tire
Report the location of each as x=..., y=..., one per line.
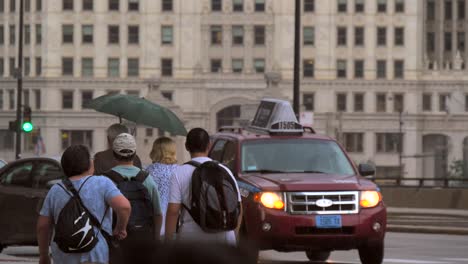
x=313, y=255
x=372, y=254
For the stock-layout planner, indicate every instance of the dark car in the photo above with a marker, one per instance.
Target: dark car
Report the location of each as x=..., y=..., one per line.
x=23, y=186
x=300, y=191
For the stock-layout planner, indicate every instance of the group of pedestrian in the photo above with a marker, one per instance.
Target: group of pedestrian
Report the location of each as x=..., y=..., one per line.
x=110, y=210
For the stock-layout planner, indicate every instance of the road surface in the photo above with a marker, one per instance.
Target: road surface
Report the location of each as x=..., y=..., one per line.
x=400, y=248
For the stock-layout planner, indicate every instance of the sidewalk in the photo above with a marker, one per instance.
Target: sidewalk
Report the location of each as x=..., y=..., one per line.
x=434, y=221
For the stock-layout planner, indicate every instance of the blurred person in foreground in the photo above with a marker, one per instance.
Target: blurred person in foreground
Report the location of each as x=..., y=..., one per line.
x=105, y=160
x=161, y=170
x=97, y=194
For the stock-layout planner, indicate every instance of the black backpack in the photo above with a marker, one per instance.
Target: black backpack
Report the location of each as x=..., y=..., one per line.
x=74, y=232
x=214, y=204
x=141, y=217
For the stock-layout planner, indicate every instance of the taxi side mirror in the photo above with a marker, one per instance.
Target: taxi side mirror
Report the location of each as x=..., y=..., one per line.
x=366, y=169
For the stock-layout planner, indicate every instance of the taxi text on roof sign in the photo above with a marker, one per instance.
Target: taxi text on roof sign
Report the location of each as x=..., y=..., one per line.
x=276, y=116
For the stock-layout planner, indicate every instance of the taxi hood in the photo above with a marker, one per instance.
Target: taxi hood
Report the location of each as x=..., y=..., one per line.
x=307, y=182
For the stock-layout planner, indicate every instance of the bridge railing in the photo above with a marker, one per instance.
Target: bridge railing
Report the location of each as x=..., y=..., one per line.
x=421, y=182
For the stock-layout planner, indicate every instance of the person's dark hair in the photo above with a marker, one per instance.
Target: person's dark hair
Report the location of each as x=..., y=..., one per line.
x=123, y=159
x=198, y=140
x=114, y=130
x=75, y=160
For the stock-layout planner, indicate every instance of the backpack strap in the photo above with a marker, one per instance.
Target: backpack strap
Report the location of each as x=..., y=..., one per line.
x=141, y=176
x=193, y=163
x=114, y=176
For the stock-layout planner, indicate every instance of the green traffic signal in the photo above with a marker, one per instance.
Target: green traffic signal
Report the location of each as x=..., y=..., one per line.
x=28, y=127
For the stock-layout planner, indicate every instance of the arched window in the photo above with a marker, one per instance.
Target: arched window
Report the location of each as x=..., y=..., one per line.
x=435, y=146
x=227, y=116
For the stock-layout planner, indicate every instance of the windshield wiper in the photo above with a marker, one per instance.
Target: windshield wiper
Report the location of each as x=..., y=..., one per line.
x=264, y=171
x=313, y=171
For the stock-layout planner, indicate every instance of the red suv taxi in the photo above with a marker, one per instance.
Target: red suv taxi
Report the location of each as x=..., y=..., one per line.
x=301, y=191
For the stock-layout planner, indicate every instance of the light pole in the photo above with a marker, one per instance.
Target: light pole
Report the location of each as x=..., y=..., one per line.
x=19, y=90
x=297, y=57
x=400, y=142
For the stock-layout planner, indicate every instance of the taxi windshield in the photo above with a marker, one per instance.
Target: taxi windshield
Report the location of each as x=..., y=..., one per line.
x=294, y=155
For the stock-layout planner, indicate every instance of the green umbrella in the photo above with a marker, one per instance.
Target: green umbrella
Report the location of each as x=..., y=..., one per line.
x=140, y=111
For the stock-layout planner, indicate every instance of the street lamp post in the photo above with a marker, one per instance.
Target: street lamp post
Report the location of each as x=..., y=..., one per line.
x=400, y=142
x=297, y=56
x=19, y=76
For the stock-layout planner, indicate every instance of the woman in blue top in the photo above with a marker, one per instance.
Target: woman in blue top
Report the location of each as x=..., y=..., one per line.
x=164, y=160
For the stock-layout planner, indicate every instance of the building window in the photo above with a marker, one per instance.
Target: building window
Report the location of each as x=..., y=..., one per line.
x=391, y=172
x=309, y=5
x=166, y=5
x=88, y=5
x=448, y=9
x=399, y=69
x=113, y=34
x=238, y=5
x=342, y=6
x=11, y=99
x=87, y=33
x=133, y=35
x=216, y=65
x=67, y=33
x=259, y=65
x=67, y=4
x=216, y=5
x=353, y=142
x=1, y=99
x=359, y=36
x=2, y=34
x=430, y=42
x=7, y=139
x=149, y=132
x=114, y=5
x=430, y=10
x=399, y=6
x=12, y=67
x=448, y=41
x=27, y=66
x=341, y=69
x=341, y=36
x=461, y=9
x=308, y=100
x=398, y=103
x=216, y=35
x=381, y=103
x=2, y=6
x=381, y=36
x=133, y=67
x=466, y=103
x=38, y=5
x=443, y=104
x=2, y=70
x=86, y=97
x=461, y=41
x=388, y=142
x=27, y=34
x=12, y=34
x=38, y=34
x=358, y=102
x=26, y=98
x=259, y=35
x=237, y=65
x=381, y=6
x=427, y=102
x=38, y=66
x=87, y=67
x=113, y=67
x=359, y=69
x=77, y=137
x=67, y=99
x=37, y=95
x=12, y=6
x=381, y=69
x=166, y=35
x=67, y=66
x=308, y=68
x=259, y=5
x=237, y=35
x=359, y=6
x=133, y=5
x=309, y=36
x=399, y=36
x=341, y=102
x=169, y=95
x=166, y=67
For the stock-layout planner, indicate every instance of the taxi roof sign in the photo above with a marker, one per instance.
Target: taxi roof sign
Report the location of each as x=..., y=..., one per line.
x=276, y=116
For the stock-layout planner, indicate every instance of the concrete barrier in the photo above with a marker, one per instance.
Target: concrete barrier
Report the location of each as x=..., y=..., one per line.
x=436, y=198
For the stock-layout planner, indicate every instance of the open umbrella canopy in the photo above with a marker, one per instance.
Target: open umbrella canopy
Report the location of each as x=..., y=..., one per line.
x=140, y=111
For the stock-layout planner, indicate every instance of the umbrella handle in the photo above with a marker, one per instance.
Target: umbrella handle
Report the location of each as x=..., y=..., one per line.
x=120, y=119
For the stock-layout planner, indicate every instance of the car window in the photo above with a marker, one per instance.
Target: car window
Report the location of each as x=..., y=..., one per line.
x=19, y=175
x=2, y=163
x=217, y=150
x=45, y=172
x=229, y=155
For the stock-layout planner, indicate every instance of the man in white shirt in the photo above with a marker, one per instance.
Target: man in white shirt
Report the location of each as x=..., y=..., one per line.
x=197, y=143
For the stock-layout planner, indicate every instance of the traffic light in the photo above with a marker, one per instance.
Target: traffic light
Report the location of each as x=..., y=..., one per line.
x=27, y=125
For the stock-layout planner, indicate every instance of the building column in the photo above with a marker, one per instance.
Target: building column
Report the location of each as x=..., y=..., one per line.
x=410, y=148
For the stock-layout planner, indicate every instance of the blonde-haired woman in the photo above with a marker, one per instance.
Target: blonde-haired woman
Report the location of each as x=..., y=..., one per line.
x=164, y=160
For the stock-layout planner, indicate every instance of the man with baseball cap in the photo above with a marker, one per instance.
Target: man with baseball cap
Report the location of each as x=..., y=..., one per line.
x=144, y=225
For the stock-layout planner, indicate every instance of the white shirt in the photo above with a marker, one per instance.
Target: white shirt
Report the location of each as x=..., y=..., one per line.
x=180, y=194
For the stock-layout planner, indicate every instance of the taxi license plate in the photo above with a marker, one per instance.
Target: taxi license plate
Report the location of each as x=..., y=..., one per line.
x=328, y=221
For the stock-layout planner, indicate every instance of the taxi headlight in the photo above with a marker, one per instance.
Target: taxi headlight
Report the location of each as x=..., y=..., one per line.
x=370, y=199
x=271, y=200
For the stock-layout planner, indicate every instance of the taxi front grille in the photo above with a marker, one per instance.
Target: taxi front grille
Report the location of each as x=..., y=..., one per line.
x=346, y=202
